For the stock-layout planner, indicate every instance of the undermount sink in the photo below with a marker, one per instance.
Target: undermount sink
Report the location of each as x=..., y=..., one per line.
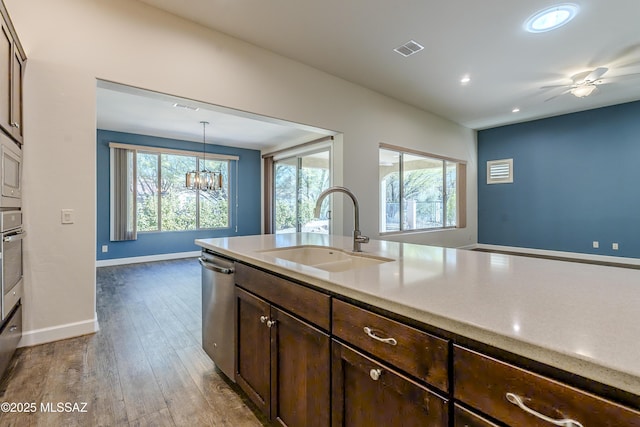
x=325, y=258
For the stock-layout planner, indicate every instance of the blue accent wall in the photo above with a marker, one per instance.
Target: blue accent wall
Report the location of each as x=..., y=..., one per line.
x=576, y=180
x=154, y=243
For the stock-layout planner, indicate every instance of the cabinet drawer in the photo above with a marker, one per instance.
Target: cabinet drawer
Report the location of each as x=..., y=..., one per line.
x=415, y=352
x=9, y=338
x=485, y=383
x=465, y=418
x=311, y=305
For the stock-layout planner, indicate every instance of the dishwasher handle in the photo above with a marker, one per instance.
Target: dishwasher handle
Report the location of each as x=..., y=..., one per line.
x=213, y=267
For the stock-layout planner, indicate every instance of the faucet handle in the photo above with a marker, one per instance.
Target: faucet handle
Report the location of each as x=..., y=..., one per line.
x=362, y=239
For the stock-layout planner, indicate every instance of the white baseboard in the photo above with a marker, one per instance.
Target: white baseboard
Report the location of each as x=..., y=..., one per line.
x=60, y=332
x=559, y=254
x=147, y=258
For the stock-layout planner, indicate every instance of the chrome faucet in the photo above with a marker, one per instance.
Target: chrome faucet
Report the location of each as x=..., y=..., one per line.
x=358, y=239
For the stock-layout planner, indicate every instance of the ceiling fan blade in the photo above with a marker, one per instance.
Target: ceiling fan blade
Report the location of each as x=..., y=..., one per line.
x=621, y=77
x=596, y=74
x=560, y=94
x=553, y=86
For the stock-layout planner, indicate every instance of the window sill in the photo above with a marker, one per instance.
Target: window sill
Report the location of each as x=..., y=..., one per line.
x=417, y=231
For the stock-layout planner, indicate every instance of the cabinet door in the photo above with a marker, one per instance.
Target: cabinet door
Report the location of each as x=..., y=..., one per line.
x=465, y=418
x=301, y=373
x=253, y=340
x=16, y=95
x=6, y=54
x=366, y=393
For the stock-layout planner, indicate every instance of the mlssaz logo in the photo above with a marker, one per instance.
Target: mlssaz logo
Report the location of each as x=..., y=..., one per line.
x=63, y=407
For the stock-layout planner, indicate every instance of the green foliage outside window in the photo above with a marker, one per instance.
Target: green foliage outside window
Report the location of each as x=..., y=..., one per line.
x=161, y=185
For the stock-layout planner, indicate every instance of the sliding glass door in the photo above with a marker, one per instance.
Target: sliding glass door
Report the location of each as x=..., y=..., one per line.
x=298, y=181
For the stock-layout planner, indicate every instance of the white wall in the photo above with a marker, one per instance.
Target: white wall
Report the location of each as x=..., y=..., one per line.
x=70, y=43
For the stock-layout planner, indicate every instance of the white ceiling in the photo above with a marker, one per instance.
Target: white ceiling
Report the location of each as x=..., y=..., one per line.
x=128, y=109
x=354, y=40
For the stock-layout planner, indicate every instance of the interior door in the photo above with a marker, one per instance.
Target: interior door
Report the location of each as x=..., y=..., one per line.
x=298, y=181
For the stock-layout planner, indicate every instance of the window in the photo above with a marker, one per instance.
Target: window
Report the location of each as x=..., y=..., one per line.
x=298, y=181
x=420, y=191
x=163, y=203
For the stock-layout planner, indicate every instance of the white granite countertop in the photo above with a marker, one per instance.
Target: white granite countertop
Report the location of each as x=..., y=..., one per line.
x=581, y=318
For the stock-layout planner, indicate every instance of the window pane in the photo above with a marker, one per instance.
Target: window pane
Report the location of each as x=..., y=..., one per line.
x=389, y=171
x=178, y=203
x=423, y=184
x=314, y=179
x=214, y=205
x=451, y=201
x=147, y=192
x=285, y=195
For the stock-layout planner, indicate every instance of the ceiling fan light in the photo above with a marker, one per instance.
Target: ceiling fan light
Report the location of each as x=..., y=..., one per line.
x=583, y=90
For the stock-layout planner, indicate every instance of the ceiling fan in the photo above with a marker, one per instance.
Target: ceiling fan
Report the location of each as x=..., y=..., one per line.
x=585, y=83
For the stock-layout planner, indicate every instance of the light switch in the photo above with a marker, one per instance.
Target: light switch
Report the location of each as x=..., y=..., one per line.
x=67, y=216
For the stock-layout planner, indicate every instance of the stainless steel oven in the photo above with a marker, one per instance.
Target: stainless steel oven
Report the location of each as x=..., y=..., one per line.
x=10, y=173
x=11, y=241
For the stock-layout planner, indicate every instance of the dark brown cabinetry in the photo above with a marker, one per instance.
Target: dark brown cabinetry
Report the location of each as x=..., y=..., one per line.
x=373, y=370
x=368, y=393
x=465, y=418
x=519, y=397
x=254, y=349
x=283, y=361
x=419, y=354
x=12, y=59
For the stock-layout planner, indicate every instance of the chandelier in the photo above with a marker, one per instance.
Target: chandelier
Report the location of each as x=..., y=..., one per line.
x=204, y=180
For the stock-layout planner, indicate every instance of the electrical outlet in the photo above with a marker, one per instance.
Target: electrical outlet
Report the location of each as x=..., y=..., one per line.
x=614, y=246
x=105, y=248
x=596, y=244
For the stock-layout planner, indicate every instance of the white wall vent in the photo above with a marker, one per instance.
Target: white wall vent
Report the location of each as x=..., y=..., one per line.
x=409, y=48
x=500, y=171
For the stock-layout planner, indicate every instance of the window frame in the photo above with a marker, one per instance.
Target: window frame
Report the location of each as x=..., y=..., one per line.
x=460, y=190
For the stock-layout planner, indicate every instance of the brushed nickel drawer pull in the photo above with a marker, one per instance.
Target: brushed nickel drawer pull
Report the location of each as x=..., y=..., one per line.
x=371, y=334
x=517, y=400
x=263, y=319
x=270, y=323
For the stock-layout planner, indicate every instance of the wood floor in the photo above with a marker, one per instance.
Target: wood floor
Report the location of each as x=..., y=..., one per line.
x=145, y=367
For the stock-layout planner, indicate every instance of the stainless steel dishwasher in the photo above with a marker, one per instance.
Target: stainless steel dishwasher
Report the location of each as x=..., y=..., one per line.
x=218, y=320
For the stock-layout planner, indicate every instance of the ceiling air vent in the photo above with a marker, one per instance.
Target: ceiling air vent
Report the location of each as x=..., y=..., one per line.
x=409, y=48
x=500, y=171
x=186, y=107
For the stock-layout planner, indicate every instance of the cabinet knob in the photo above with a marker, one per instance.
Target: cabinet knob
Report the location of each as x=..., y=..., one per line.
x=263, y=319
x=270, y=323
x=13, y=328
x=375, y=374
x=15, y=125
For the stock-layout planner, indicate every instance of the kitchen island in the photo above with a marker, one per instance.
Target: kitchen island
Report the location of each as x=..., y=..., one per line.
x=581, y=319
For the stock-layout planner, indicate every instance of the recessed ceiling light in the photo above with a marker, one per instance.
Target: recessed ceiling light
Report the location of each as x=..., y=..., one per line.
x=465, y=80
x=515, y=110
x=409, y=48
x=551, y=18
